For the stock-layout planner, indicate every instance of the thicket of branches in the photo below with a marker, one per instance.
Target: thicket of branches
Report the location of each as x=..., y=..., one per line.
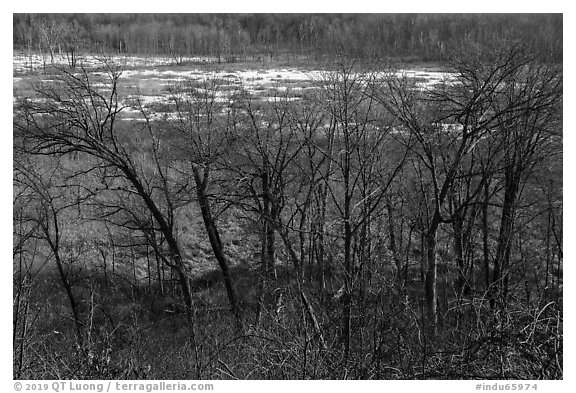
x=373, y=228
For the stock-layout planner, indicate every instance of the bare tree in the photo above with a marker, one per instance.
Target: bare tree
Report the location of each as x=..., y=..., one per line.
x=46, y=208
x=355, y=187
x=51, y=31
x=447, y=124
x=203, y=125
x=529, y=132
x=265, y=170
x=74, y=116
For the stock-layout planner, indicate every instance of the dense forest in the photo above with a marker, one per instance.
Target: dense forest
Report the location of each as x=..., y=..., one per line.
x=365, y=223
x=411, y=36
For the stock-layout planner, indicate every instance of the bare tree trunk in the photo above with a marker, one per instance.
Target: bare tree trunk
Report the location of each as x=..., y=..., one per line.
x=392, y=233
x=322, y=202
x=431, y=277
x=104, y=264
x=505, y=237
x=166, y=230
x=159, y=271
x=292, y=254
x=348, y=273
x=20, y=320
x=485, y=235
x=407, y=260
x=548, y=235
x=459, y=255
x=148, y=267
x=269, y=217
x=69, y=293
x=54, y=243
x=215, y=242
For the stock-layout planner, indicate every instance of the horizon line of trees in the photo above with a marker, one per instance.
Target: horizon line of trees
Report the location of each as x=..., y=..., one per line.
x=232, y=36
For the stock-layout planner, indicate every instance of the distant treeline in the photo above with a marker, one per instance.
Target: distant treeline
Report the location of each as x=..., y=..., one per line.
x=228, y=36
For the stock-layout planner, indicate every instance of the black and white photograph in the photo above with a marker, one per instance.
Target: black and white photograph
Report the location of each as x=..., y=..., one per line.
x=287, y=196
